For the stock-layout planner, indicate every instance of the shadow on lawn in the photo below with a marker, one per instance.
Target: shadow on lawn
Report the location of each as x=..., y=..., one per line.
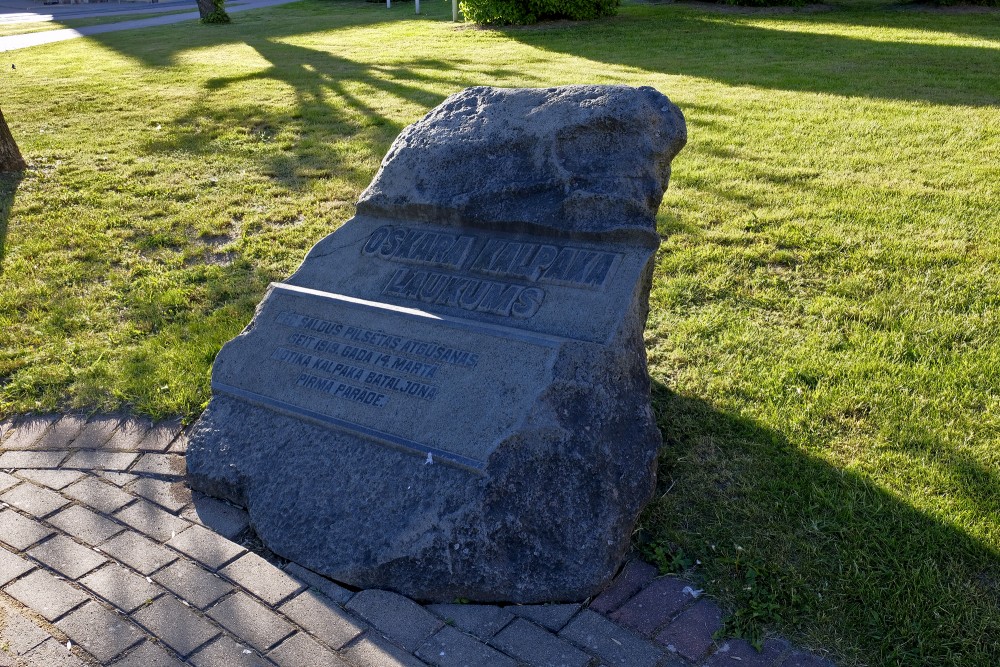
x=797, y=540
x=8, y=188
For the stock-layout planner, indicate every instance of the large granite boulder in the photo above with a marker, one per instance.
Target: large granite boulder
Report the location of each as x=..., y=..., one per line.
x=449, y=398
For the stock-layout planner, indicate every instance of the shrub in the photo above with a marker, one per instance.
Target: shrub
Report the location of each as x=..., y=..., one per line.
x=519, y=12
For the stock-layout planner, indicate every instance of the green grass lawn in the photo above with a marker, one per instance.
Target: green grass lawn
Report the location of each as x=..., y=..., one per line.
x=824, y=334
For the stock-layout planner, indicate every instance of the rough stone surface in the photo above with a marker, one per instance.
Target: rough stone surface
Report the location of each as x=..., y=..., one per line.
x=463, y=361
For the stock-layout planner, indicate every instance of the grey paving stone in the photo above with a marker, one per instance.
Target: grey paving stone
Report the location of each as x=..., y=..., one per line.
x=803, y=659
x=328, y=588
x=12, y=566
x=67, y=557
x=54, y=479
x=537, y=647
x=45, y=594
x=175, y=625
x=223, y=518
x=614, y=645
x=102, y=633
x=19, y=460
x=129, y=434
x=170, y=465
x=52, y=653
x=654, y=606
x=690, y=634
x=118, y=478
x=20, y=532
x=138, y=552
x=323, y=618
x=34, y=500
x=172, y=495
x=24, y=432
x=206, y=547
x=147, y=518
x=251, y=621
x=123, y=589
x=224, y=652
x=91, y=459
x=148, y=654
x=395, y=616
x=301, y=650
x=100, y=495
x=61, y=434
x=18, y=634
x=97, y=432
x=552, y=617
x=86, y=525
x=6, y=427
x=160, y=436
x=739, y=653
x=190, y=582
x=180, y=445
x=450, y=648
x=481, y=620
x=268, y=582
x=7, y=481
x=371, y=650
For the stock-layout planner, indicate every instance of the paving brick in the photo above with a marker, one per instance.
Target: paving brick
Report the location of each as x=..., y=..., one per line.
x=91, y=459
x=172, y=495
x=128, y=435
x=6, y=427
x=371, y=650
x=7, y=481
x=655, y=606
x=85, y=524
x=67, y=557
x=102, y=633
x=614, y=645
x=223, y=518
x=18, y=634
x=552, y=617
x=24, y=432
x=250, y=621
x=190, y=582
x=803, y=659
x=206, y=547
x=323, y=618
x=180, y=445
x=739, y=653
x=54, y=479
x=138, y=552
x=149, y=519
x=99, y=495
x=20, y=532
x=395, y=616
x=51, y=653
x=61, y=434
x=124, y=590
x=175, y=624
x=690, y=634
x=634, y=576
x=301, y=650
x=45, y=594
x=12, y=566
x=97, y=432
x=224, y=652
x=328, y=588
x=148, y=655
x=169, y=465
x=268, y=582
x=34, y=500
x=19, y=460
x=537, y=647
x=481, y=620
x=118, y=478
x=160, y=436
x=450, y=648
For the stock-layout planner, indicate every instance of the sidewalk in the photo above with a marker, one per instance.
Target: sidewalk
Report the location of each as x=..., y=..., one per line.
x=108, y=558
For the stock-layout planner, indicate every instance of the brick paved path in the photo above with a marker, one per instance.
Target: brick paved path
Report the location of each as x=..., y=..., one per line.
x=107, y=558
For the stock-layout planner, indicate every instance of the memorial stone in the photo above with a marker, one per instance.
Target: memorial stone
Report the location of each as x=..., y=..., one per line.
x=449, y=398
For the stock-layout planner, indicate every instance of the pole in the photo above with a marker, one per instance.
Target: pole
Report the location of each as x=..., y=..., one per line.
x=418, y=6
x=454, y=10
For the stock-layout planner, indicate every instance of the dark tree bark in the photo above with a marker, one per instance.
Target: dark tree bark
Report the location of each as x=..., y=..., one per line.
x=10, y=156
x=212, y=11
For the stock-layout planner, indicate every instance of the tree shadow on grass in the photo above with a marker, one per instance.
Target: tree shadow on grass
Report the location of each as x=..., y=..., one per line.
x=797, y=545
x=8, y=189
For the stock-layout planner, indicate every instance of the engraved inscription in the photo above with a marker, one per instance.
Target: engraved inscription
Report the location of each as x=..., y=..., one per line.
x=342, y=390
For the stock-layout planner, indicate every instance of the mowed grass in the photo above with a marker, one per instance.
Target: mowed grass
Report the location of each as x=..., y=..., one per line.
x=824, y=334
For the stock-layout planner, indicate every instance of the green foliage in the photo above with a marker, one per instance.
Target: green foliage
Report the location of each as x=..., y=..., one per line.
x=219, y=15
x=521, y=12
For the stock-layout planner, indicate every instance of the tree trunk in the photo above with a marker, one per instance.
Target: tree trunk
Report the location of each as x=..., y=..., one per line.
x=10, y=156
x=212, y=11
